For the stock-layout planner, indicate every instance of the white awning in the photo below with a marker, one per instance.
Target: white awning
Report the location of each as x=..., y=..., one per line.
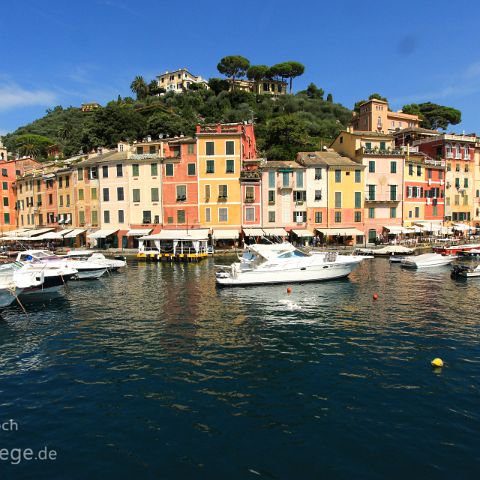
x=414, y=229
x=21, y=232
x=253, y=232
x=102, y=233
x=38, y=232
x=396, y=229
x=138, y=232
x=183, y=234
x=430, y=226
x=75, y=233
x=277, y=232
x=303, y=233
x=341, y=232
x=462, y=227
x=225, y=234
x=51, y=236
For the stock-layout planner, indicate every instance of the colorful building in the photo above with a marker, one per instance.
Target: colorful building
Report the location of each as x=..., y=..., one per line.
x=384, y=165
x=179, y=80
x=180, y=184
x=221, y=152
x=458, y=153
x=375, y=116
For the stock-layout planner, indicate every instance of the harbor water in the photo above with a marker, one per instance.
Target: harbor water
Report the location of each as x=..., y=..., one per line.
x=156, y=373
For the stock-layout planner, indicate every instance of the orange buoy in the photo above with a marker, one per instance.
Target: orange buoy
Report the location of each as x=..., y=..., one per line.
x=289, y=290
x=375, y=296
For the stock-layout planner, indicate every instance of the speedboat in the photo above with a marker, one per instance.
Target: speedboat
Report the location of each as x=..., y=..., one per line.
x=15, y=279
x=112, y=264
x=84, y=270
x=386, y=251
x=396, y=259
x=465, y=271
x=283, y=263
x=427, y=260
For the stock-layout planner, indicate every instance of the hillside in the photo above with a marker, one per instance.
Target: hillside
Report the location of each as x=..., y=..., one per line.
x=284, y=125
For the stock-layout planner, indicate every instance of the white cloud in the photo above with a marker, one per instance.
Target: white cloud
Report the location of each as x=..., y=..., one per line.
x=14, y=96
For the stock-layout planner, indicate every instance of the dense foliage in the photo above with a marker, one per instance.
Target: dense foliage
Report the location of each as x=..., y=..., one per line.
x=434, y=116
x=284, y=125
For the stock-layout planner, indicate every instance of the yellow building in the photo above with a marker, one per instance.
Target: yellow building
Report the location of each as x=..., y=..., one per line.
x=179, y=80
x=219, y=157
x=66, y=200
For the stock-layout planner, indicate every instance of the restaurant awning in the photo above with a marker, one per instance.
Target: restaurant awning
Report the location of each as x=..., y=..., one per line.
x=462, y=227
x=102, y=233
x=75, y=233
x=16, y=233
x=303, y=233
x=37, y=232
x=341, y=232
x=182, y=234
x=276, y=232
x=414, y=229
x=432, y=226
x=138, y=232
x=225, y=234
x=51, y=235
x=253, y=232
x=395, y=229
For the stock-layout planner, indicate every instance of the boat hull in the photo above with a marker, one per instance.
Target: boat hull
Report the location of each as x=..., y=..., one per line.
x=89, y=273
x=7, y=296
x=51, y=284
x=315, y=273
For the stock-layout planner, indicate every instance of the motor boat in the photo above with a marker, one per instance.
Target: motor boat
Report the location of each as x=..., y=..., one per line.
x=84, y=270
x=15, y=279
x=283, y=263
x=55, y=276
x=427, y=260
x=396, y=259
x=386, y=251
x=112, y=264
x=465, y=271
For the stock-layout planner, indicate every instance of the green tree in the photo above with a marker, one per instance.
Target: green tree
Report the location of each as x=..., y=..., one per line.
x=296, y=69
x=280, y=71
x=434, y=116
x=218, y=85
x=139, y=87
x=313, y=91
x=30, y=145
x=285, y=136
x=233, y=66
x=154, y=89
x=257, y=72
x=330, y=98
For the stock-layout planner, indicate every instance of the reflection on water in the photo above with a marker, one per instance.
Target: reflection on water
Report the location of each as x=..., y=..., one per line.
x=156, y=373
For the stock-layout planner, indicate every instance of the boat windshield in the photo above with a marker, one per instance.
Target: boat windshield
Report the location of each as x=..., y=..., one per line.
x=293, y=254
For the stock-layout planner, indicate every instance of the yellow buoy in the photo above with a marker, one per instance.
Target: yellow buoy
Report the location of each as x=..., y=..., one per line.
x=437, y=362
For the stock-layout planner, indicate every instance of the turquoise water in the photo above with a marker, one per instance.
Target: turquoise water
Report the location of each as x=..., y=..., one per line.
x=156, y=373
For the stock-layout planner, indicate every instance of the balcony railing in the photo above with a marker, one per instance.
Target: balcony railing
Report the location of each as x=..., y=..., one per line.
x=249, y=200
x=253, y=175
x=281, y=185
x=377, y=151
x=222, y=198
x=383, y=198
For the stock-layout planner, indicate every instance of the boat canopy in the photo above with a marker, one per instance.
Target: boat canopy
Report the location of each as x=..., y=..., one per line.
x=225, y=234
x=103, y=233
x=303, y=233
x=275, y=232
x=138, y=232
x=341, y=232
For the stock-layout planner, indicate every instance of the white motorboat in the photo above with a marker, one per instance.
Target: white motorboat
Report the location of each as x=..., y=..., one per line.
x=14, y=279
x=85, y=270
x=112, y=264
x=465, y=271
x=386, y=251
x=283, y=263
x=396, y=259
x=427, y=260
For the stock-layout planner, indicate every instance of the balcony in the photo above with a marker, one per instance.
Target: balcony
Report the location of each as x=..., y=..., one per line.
x=250, y=175
x=377, y=152
x=382, y=198
x=180, y=198
x=285, y=186
x=249, y=199
x=222, y=198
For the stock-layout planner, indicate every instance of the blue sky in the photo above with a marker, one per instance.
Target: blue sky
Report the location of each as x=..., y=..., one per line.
x=56, y=52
